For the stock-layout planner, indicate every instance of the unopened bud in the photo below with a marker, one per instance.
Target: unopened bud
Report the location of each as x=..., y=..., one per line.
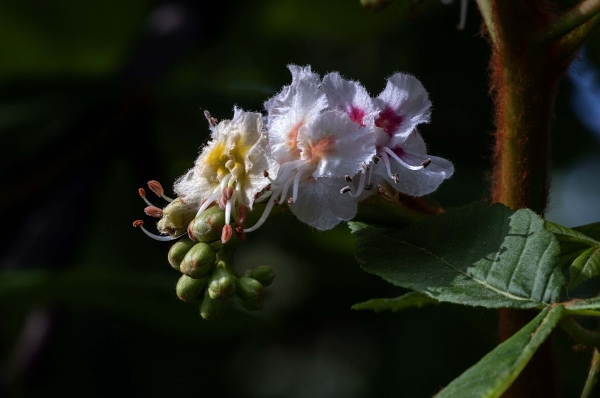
x=207, y=226
x=210, y=309
x=263, y=274
x=249, y=288
x=190, y=290
x=199, y=260
x=222, y=284
x=176, y=217
x=375, y=5
x=178, y=251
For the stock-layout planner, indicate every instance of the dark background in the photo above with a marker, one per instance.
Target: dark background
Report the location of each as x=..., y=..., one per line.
x=98, y=97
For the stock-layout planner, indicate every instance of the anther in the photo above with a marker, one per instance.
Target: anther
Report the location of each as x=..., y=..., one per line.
x=345, y=189
x=426, y=163
x=211, y=120
x=267, y=188
x=265, y=173
x=226, y=233
x=258, y=194
x=290, y=201
x=138, y=223
x=242, y=212
x=156, y=187
x=222, y=203
x=348, y=178
x=153, y=211
x=396, y=178
x=227, y=193
x=364, y=165
x=375, y=159
x=368, y=187
x=276, y=202
x=142, y=192
x=239, y=231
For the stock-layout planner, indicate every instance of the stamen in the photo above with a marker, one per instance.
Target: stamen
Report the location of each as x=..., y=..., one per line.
x=211, y=120
x=361, y=185
x=228, y=212
x=402, y=162
x=265, y=174
x=157, y=188
x=296, y=185
x=258, y=194
x=375, y=159
x=268, y=187
x=264, y=216
x=364, y=166
x=368, y=187
x=239, y=231
x=396, y=178
x=290, y=201
x=348, y=178
x=426, y=163
x=227, y=193
x=142, y=194
x=386, y=160
x=226, y=233
x=209, y=202
x=153, y=211
x=276, y=202
x=242, y=213
x=222, y=203
x=370, y=175
x=140, y=223
x=345, y=189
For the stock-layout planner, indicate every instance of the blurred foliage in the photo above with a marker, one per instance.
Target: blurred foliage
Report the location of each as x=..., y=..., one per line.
x=96, y=98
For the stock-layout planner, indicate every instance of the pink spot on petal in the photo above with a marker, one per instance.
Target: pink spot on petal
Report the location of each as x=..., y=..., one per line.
x=357, y=115
x=389, y=121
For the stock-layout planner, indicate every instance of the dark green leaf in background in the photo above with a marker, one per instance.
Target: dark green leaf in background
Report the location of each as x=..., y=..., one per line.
x=491, y=376
x=565, y=234
x=586, y=266
x=412, y=299
x=477, y=255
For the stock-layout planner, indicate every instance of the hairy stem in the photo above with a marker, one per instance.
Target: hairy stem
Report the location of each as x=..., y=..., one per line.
x=592, y=375
x=571, y=20
x=579, y=333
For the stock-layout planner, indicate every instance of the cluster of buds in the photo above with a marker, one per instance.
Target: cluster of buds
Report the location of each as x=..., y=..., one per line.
x=209, y=278
x=322, y=146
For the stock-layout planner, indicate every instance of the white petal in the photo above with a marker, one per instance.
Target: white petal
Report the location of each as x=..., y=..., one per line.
x=406, y=97
x=320, y=204
x=416, y=182
x=335, y=145
x=350, y=97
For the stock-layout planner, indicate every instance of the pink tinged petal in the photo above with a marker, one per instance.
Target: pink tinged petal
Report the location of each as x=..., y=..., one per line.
x=389, y=121
x=348, y=96
x=320, y=204
x=406, y=97
x=335, y=146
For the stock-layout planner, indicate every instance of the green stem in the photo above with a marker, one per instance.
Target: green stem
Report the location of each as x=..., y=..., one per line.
x=571, y=43
x=579, y=333
x=571, y=20
x=592, y=375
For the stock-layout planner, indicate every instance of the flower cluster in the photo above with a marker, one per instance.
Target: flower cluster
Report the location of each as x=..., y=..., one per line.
x=324, y=144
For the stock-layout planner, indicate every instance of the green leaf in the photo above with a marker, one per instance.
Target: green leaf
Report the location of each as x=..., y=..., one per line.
x=477, y=255
x=582, y=306
x=496, y=371
x=412, y=299
x=591, y=230
x=565, y=234
x=586, y=266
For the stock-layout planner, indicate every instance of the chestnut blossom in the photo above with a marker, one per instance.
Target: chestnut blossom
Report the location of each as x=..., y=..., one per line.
x=392, y=116
x=230, y=168
x=315, y=147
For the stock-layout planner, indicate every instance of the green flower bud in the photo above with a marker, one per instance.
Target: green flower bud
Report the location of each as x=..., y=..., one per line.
x=263, y=274
x=210, y=309
x=199, y=260
x=375, y=5
x=190, y=290
x=207, y=227
x=249, y=288
x=176, y=217
x=178, y=252
x=222, y=284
